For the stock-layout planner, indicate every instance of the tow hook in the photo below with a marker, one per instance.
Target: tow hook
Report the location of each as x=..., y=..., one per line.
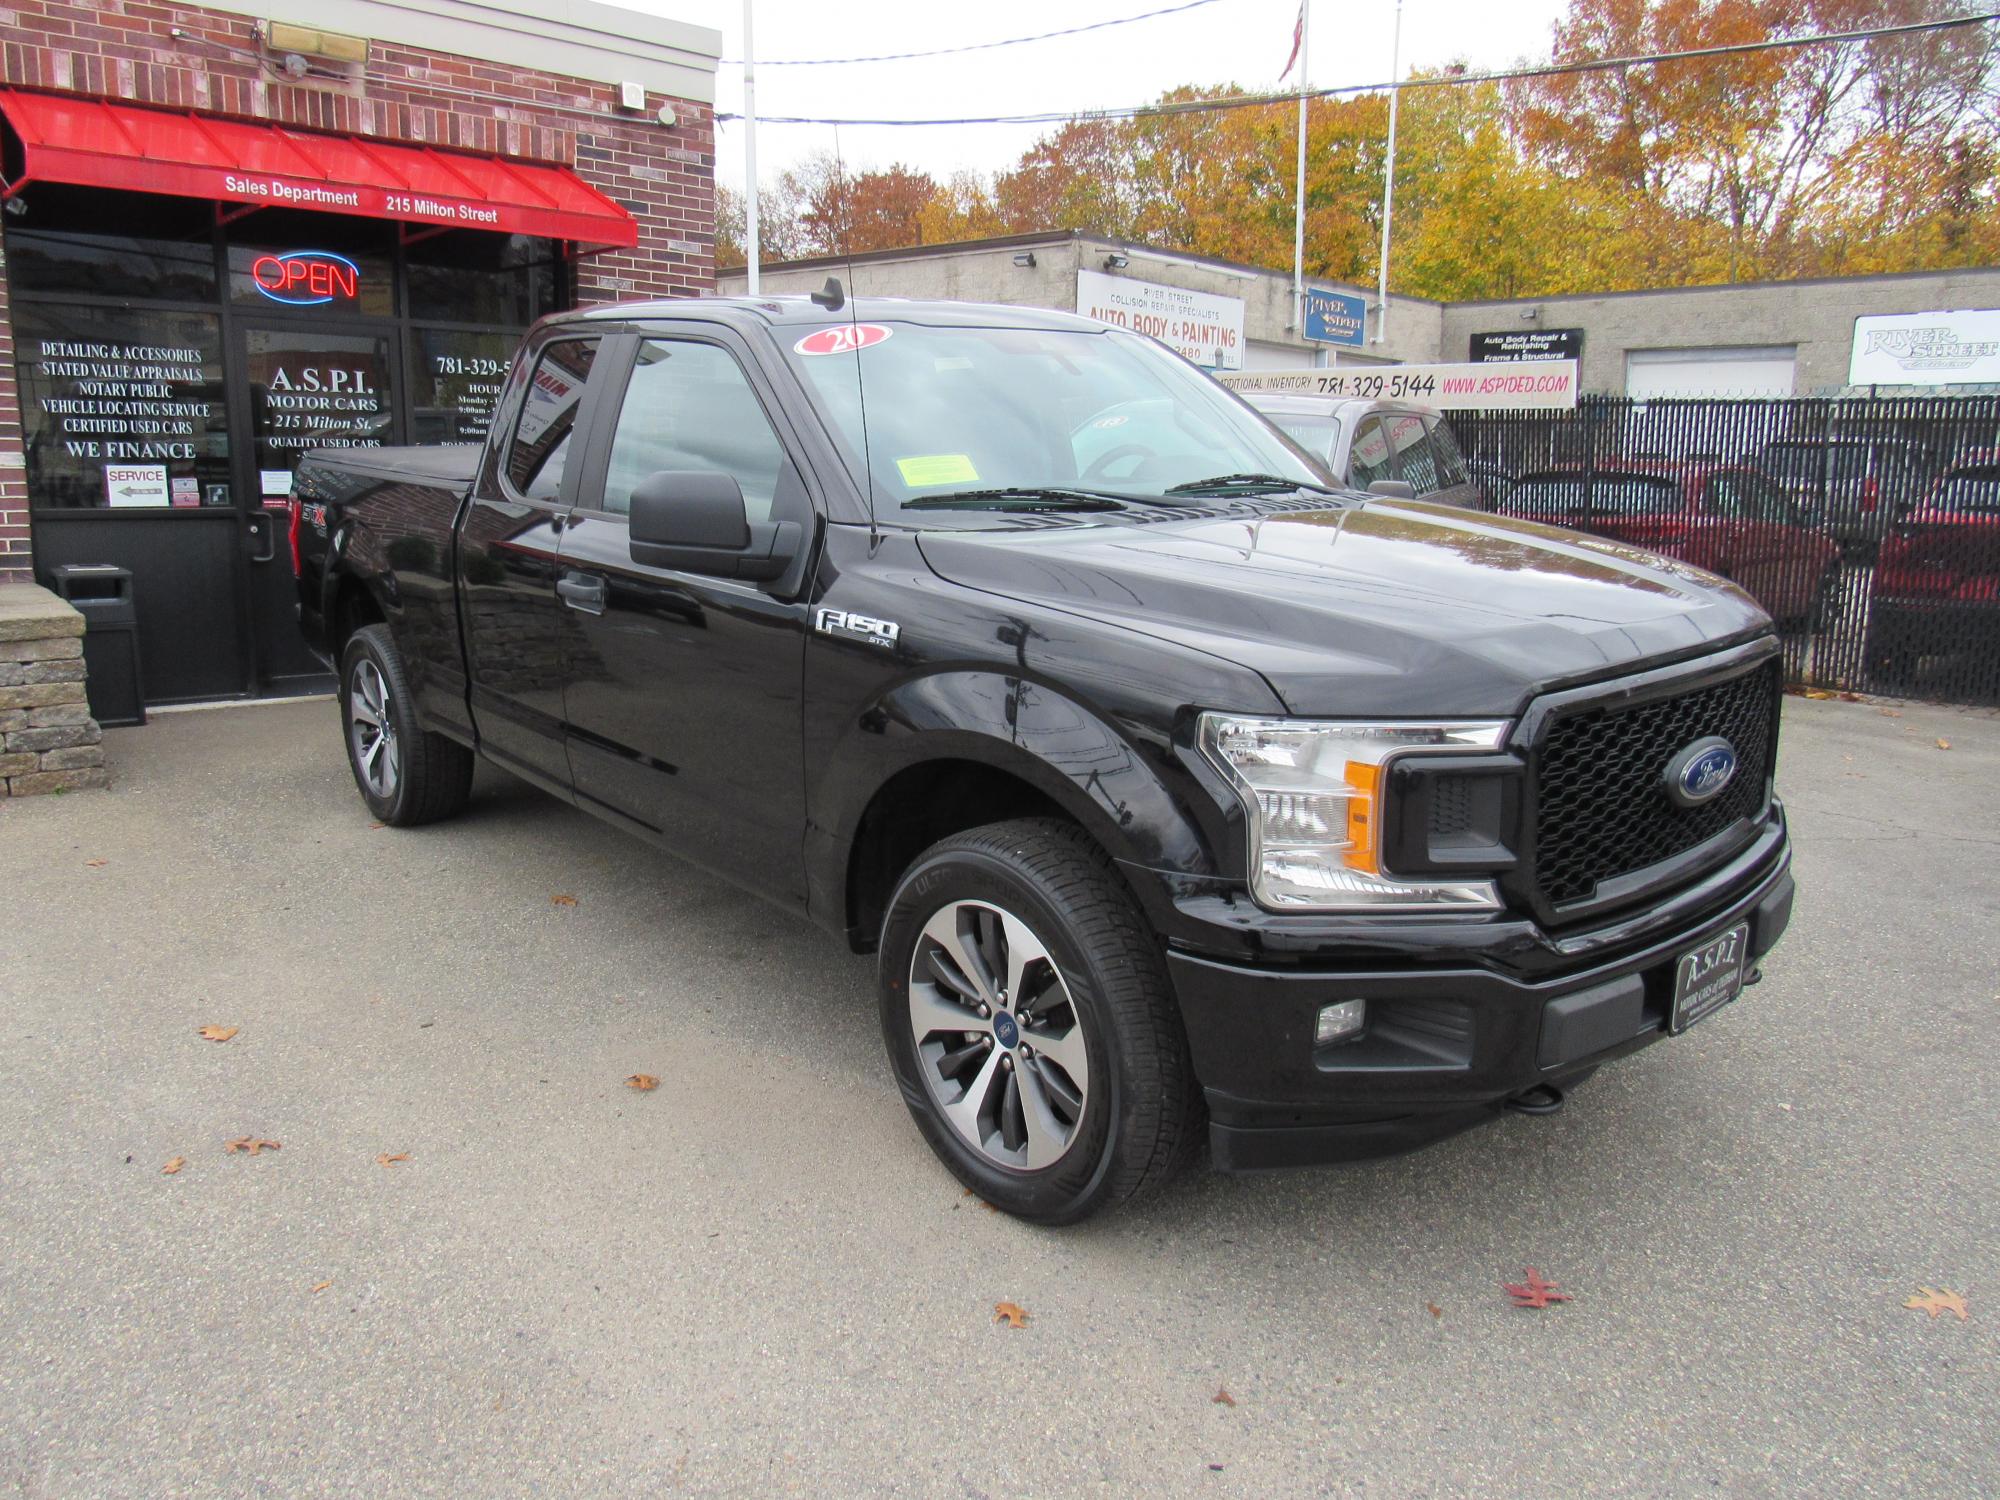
x=1542, y=1099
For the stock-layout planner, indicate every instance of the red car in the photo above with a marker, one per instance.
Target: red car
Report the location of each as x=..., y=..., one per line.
x=1936, y=590
x=1726, y=518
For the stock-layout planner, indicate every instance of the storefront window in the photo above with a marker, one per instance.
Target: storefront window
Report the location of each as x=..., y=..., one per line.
x=455, y=379
x=164, y=250
x=121, y=408
x=467, y=276
x=314, y=390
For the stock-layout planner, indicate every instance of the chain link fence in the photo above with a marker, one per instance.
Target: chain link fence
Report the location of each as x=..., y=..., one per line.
x=1868, y=527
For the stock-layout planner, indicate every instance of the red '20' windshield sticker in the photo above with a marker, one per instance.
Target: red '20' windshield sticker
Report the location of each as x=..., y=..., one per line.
x=842, y=338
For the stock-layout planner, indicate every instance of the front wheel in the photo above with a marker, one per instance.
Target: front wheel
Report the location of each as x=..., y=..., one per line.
x=1030, y=1023
x=406, y=775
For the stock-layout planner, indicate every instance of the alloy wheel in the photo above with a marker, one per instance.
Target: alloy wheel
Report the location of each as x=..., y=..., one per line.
x=998, y=1038
x=371, y=730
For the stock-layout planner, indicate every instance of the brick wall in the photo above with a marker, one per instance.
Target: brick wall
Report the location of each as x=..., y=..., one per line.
x=189, y=57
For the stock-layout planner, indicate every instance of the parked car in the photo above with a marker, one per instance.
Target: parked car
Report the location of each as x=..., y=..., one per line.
x=1936, y=584
x=1850, y=487
x=1174, y=791
x=1726, y=518
x=1388, y=447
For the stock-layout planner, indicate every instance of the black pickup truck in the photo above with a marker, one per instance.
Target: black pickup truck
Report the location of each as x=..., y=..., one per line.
x=1180, y=794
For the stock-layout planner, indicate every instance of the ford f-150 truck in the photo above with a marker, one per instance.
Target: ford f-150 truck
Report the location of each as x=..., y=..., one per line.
x=1182, y=796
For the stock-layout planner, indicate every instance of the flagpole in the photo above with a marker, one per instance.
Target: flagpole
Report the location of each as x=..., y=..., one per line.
x=1299, y=192
x=1389, y=180
x=750, y=151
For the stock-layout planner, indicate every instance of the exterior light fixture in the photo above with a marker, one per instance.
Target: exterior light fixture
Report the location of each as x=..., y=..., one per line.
x=1025, y=258
x=1116, y=262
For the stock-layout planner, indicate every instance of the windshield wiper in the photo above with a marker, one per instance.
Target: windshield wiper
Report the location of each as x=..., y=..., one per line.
x=1032, y=497
x=1225, y=483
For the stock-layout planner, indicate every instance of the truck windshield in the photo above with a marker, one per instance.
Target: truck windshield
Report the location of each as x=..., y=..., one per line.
x=938, y=411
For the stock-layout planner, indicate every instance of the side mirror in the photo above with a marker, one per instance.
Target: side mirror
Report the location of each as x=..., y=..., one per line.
x=694, y=520
x=1394, y=489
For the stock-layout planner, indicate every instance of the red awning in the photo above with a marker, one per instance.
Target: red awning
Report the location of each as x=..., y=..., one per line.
x=142, y=150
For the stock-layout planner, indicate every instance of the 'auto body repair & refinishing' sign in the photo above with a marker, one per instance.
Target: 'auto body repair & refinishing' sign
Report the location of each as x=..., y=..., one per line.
x=1199, y=325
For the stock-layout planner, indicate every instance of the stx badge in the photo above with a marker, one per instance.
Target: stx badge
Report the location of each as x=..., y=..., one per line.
x=860, y=627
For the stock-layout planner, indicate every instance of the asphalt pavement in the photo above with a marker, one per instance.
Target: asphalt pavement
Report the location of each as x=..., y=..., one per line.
x=755, y=1280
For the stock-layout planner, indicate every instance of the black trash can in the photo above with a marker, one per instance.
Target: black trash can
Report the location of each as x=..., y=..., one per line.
x=102, y=594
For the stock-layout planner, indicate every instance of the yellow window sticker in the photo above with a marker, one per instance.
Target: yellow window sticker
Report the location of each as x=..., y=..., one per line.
x=937, y=468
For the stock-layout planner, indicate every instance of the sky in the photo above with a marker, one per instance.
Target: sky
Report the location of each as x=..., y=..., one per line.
x=1243, y=42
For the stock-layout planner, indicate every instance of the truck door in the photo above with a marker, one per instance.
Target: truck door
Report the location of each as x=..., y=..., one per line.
x=508, y=604
x=683, y=690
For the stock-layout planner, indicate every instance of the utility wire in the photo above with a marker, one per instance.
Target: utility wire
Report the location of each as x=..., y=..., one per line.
x=1455, y=80
x=1012, y=41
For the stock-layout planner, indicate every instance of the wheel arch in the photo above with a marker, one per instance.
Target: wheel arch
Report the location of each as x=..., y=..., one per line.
x=951, y=752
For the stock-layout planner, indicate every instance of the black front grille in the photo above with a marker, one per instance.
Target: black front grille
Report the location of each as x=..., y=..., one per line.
x=1602, y=804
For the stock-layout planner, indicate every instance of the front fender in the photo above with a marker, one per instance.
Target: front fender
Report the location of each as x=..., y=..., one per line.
x=1121, y=781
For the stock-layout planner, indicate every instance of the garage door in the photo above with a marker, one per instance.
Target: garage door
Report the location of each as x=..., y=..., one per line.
x=1261, y=356
x=1740, y=370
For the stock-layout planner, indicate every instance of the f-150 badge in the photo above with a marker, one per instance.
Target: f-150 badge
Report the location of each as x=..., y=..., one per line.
x=860, y=627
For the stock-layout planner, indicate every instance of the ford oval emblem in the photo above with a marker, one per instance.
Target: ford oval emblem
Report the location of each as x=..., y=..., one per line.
x=1702, y=771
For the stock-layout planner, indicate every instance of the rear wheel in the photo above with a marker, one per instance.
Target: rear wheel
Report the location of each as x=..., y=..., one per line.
x=406, y=775
x=1030, y=1023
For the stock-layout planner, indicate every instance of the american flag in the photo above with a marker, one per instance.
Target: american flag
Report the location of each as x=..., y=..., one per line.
x=1298, y=40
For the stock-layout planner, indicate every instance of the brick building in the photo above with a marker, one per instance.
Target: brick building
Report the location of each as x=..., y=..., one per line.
x=236, y=232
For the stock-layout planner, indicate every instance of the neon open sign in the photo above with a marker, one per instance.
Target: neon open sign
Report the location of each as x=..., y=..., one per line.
x=307, y=278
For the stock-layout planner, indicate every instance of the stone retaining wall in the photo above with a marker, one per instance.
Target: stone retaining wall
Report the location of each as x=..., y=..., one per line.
x=48, y=740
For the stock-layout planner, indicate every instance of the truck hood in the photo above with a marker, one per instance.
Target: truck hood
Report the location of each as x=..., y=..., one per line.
x=1387, y=608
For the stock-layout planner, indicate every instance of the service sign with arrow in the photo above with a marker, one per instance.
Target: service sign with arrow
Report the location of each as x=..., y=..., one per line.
x=136, y=484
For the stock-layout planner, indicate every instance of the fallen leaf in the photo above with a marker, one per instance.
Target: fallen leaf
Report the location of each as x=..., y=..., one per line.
x=378, y=825
x=562, y=900
x=1534, y=1292
x=1433, y=1309
x=173, y=1166
x=1944, y=744
x=1850, y=697
x=320, y=1286
x=1935, y=1300
x=1890, y=713
x=645, y=1083
x=215, y=1033
x=1011, y=1315
x=1817, y=693
x=94, y=864
x=384, y=1159
x=1221, y=1398
x=250, y=1145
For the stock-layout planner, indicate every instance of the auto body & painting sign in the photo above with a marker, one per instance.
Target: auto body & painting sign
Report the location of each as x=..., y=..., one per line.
x=1205, y=328
x=1546, y=384
x=1933, y=348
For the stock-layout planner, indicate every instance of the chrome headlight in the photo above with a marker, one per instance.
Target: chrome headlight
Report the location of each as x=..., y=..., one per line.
x=1313, y=793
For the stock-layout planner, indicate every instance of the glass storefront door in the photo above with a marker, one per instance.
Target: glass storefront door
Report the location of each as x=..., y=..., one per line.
x=308, y=387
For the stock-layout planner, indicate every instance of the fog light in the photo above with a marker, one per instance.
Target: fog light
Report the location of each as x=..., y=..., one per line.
x=1340, y=1023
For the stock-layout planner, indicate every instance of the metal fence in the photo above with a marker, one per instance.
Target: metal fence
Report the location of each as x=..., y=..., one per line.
x=1869, y=527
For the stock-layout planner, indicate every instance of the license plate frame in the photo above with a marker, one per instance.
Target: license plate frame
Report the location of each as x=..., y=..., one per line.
x=1708, y=977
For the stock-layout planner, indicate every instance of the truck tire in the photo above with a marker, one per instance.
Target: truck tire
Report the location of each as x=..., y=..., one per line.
x=1031, y=1024
x=406, y=775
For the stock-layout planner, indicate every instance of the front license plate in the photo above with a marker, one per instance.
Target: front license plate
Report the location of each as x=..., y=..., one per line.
x=1709, y=978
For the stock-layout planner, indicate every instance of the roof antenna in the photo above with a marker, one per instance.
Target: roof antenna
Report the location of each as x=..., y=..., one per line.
x=832, y=296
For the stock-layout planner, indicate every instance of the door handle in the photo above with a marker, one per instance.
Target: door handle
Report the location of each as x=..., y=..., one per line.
x=584, y=591
x=261, y=529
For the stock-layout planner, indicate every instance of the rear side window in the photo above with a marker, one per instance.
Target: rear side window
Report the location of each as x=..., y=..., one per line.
x=540, y=444
x=1446, y=454
x=690, y=406
x=1417, y=467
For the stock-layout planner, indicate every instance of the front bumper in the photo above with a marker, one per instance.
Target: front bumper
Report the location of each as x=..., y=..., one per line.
x=1447, y=1044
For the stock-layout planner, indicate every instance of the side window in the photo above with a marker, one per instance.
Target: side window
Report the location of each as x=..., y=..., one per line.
x=540, y=444
x=1446, y=453
x=690, y=406
x=1370, y=458
x=1418, y=469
